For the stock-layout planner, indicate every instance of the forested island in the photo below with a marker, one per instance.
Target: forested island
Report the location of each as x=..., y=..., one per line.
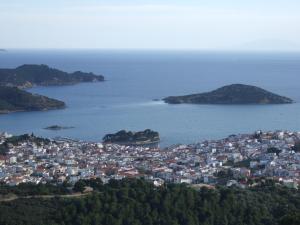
x=231, y=94
x=133, y=138
x=12, y=99
x=58, y=127
x=27, y=76
x=138, y=202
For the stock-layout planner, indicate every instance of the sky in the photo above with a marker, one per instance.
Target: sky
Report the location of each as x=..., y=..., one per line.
x=156, y=24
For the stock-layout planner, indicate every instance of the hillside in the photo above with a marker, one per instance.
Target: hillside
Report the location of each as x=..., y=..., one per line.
x=13, y=99
x=137, y=202
x=231, y=94
x=31, y=75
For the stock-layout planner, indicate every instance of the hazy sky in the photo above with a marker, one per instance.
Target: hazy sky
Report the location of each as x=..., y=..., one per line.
x=166, y=24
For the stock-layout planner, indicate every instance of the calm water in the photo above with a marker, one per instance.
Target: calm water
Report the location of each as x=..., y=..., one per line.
x=134, y=78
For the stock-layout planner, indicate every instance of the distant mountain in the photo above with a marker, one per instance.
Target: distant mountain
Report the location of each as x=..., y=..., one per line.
x=2, y=50
x=132, y=138
x=231, y=94
x=13, y=99
x=270, y=45
x=31, y=75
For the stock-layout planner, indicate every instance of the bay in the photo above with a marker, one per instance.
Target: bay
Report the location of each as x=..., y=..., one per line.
x=135, y=78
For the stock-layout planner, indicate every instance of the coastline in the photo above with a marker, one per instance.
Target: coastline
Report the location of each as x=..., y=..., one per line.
x=4, y=112
x=140, y=143
x=106, y=105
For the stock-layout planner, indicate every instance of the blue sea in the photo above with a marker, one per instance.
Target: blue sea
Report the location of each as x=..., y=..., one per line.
x=135, y=78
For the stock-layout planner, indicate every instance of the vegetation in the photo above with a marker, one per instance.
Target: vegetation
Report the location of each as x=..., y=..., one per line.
x=296, y=147
x=243, y=163
x=132, y=202
x=274, y=150
x=135, y=138
x=231, y=94
x=57, y=127
x=13, y=99
x=29, y=75
x=96, y=184
x=3, y=149
x=15, y=140
x=29, y=189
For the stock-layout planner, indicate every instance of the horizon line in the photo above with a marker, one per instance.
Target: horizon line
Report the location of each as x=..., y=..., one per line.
x=156, y=49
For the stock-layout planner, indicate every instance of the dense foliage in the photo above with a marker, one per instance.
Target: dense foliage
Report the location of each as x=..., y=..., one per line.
x=29, y=75
x=4, y=149
x=15, y=140
x=296, y=147
x=14, y=99
x=274, y=150
x=124, y=136
x=29, y=189
x=132, y=202
x=231, y=94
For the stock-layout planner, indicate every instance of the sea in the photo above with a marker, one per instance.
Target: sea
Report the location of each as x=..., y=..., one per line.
x=135, y=78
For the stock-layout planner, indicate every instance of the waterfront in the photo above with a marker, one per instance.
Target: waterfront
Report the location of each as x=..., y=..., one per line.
x=230, y=161
x=135, y=78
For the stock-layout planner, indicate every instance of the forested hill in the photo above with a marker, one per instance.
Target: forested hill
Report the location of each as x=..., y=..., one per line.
x=31, y=75
x=231, y=94
x=136, y=202
x=13, y=99
x=132, y=138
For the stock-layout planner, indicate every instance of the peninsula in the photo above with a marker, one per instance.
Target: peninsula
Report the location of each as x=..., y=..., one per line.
x=231, y=94
x=13, y=99
x=124, y=137
x=27, y=76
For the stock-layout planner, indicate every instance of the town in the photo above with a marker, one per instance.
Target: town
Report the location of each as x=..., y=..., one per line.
x=235, y=160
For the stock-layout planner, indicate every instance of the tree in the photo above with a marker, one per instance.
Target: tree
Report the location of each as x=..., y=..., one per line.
x=274, y=150
x=79, y=186
x=296, y=147
x=290, y=219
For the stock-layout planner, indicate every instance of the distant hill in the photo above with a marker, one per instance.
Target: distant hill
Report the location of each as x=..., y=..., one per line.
x=13, y=99
x=32, y=75
x=231, y=94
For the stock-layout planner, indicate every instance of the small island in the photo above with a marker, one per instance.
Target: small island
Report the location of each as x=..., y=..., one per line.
x=57, y=127
x=231, y=94
x=27, y=76
x=123, y=137
x=13, y=99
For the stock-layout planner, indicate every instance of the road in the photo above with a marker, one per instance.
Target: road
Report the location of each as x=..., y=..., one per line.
x=15, y=197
